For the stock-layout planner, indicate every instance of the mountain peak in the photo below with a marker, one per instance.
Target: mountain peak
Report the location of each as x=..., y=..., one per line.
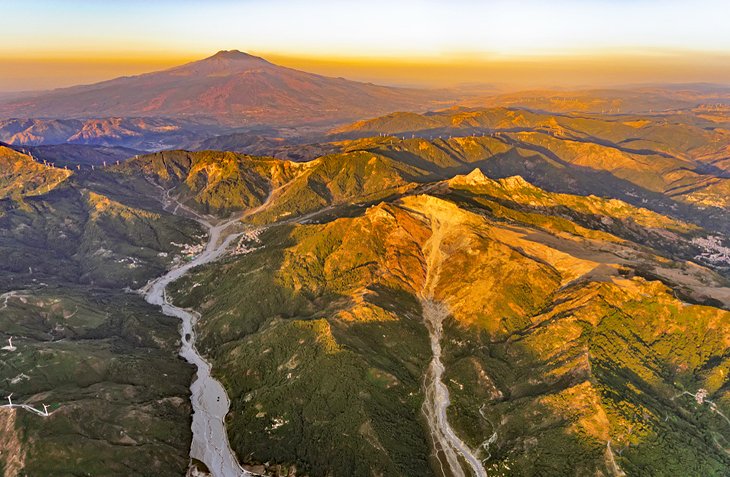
x=229, y=86
x=516, y=182
x=475, y=177
x=235, y=55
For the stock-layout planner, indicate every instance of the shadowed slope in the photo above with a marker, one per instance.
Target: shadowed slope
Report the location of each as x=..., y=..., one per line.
x=330, y=311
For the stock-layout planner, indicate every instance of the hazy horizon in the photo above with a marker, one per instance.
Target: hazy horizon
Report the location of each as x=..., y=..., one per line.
x=500, y=74
x=416, y=43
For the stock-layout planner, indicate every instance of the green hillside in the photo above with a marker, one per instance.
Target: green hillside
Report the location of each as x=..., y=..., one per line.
x=552, y=336
x=574, y=279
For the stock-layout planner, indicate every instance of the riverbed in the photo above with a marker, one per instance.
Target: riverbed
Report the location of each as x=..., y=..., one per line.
x=208, y=397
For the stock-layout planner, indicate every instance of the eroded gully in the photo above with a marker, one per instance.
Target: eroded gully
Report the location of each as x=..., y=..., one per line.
x=448, y=446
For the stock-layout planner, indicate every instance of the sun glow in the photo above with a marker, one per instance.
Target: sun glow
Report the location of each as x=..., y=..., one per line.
x=81, y=40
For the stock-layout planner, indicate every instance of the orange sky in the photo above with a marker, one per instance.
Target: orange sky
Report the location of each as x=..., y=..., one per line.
x=602, y=69
x=19, y=74
x=512, y=72
x=48, y=43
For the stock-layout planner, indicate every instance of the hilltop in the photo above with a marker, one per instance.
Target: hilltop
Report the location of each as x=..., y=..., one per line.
x=642, y=159
x=21, y=175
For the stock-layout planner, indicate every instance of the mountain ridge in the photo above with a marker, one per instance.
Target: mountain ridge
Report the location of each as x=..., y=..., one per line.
x=570, y=321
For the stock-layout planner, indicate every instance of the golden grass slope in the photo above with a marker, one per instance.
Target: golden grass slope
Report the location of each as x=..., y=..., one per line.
x=21, y=176
x=518, y=190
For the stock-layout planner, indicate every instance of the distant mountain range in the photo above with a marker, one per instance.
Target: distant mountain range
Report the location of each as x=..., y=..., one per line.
x=636, y=99
x=239, y=102
x=139, y=133
x=231, y=87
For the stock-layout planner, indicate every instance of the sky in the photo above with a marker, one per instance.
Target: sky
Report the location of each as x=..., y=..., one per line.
x=51, y=43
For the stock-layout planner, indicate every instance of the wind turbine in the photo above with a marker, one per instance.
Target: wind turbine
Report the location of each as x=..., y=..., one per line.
x=10, y=346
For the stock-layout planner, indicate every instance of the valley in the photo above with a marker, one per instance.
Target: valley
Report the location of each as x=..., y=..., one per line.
x=298, y=303
x=199, y=281
x=210, y=402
